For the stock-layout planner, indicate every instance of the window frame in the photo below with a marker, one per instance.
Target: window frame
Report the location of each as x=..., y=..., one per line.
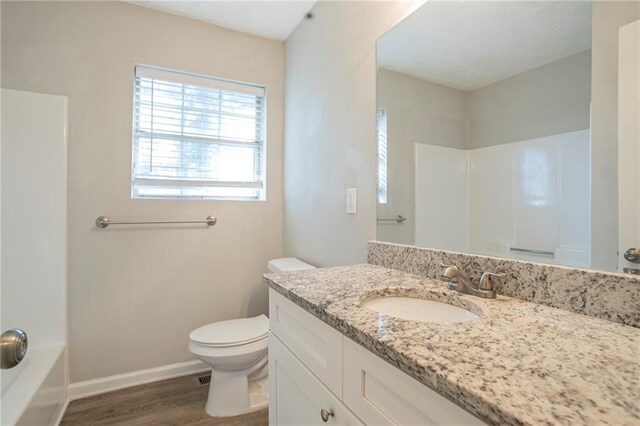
x=183, y=77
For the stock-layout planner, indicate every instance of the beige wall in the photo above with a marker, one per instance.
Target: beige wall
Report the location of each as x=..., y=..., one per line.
x=608, y=17
x=418, y=111
x=136, y=293
x=548, y=100
x=330, y=80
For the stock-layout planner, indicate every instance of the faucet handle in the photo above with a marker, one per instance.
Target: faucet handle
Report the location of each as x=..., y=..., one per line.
x=485, y=280
x=445, y=272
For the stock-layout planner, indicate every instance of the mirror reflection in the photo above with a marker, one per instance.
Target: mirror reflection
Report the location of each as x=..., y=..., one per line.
x=485, y=133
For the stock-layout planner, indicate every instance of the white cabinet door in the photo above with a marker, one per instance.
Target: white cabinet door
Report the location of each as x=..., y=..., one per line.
x=316, y=344
x=296, y=396
x=380, y=394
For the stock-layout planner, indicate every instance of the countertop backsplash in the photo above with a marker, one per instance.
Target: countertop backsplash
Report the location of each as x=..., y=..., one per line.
x=610, y=296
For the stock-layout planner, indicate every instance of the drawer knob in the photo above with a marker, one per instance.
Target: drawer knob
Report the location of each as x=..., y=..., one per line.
x=326, y=414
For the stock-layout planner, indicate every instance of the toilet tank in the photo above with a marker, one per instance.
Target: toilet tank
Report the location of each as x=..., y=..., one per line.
x=286, y=264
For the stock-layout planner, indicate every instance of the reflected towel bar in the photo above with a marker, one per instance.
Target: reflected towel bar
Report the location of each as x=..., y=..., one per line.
x=524, y=250
x=103, y=221
x=398, y=219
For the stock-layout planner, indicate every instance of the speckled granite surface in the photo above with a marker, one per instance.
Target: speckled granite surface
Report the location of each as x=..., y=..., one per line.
x=519, y=363
x=610, y=296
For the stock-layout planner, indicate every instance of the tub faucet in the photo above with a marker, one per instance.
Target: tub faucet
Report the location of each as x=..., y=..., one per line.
x=460, y=282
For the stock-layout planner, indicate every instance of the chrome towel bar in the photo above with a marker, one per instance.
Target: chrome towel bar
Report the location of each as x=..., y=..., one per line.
x=103, y=221
x=525, y=250
x=398, y=219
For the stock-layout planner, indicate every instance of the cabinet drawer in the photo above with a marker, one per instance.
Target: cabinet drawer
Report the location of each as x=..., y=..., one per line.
x=379, y=393
x=316, y=344
x=296, y=396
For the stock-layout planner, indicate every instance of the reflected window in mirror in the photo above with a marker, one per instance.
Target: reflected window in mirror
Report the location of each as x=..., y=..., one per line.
x=382, y=155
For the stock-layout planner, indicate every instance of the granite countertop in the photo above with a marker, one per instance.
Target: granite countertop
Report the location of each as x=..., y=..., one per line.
x=519, y=363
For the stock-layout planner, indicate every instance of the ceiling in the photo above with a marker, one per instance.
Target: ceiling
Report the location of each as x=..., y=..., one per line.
x=271, y=19
x=468, y=45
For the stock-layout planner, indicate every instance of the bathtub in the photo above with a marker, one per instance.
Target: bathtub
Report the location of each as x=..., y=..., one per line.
x=34, y=254
x=35, y=391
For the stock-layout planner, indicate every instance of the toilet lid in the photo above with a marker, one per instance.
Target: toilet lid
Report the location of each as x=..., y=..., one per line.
x=232, y=332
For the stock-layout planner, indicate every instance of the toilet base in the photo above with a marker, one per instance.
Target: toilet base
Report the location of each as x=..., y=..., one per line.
x=259, y=394
x=232, y=395
x=219, y=406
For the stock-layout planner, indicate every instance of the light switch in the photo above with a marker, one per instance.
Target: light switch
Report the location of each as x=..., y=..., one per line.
x=352, y=200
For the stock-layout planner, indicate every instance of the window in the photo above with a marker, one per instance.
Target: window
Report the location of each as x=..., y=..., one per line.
x=197, y=137
x=382, y=155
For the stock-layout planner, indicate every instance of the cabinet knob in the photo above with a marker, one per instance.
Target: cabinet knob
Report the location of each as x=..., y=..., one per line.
x=326, y=414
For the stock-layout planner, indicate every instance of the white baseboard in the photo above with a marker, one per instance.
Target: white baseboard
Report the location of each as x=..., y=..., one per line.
x=120, y=381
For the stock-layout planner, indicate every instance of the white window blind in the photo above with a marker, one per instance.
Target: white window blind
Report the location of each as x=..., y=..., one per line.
x=382, y=155
x=197, y=137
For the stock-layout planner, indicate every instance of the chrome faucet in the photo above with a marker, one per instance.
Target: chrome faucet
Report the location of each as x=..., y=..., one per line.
x=460, y=282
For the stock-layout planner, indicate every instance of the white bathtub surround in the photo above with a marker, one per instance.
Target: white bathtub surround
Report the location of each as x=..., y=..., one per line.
x=38, y=395
x=502, y=199
x=34, y=253
x=605, y=295
x=441, y=197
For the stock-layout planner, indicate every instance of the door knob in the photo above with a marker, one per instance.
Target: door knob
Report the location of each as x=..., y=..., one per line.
x=13, y=347
x=632, y=255
x=326, y=414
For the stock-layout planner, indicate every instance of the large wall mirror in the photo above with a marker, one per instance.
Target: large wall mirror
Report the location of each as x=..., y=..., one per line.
x=510, y=129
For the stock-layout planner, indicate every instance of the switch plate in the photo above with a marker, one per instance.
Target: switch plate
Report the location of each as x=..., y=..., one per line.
x=352, y=200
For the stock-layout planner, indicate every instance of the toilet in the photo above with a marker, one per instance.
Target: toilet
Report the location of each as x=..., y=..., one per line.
x=236, y=350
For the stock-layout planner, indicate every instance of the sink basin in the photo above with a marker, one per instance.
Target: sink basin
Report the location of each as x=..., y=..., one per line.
x=418, y=309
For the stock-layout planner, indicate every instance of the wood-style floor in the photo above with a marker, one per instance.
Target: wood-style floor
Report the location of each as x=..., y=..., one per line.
x=177, y=401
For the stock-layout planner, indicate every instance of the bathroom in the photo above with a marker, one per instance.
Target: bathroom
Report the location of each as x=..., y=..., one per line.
x=111, y=310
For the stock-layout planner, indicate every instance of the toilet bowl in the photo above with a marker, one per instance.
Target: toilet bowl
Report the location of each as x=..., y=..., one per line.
x=236, y=350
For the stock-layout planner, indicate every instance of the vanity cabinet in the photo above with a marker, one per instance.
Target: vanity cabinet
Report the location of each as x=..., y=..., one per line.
x=317, y=376
x=296, y=396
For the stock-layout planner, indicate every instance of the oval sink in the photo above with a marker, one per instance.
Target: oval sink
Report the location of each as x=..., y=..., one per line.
x=416, y=309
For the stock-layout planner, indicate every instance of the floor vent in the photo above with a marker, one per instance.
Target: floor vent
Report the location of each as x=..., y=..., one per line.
x=204, y=380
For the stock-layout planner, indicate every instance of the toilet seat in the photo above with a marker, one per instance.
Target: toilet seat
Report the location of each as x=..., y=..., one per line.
x=231, y=333
x=234, y=355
